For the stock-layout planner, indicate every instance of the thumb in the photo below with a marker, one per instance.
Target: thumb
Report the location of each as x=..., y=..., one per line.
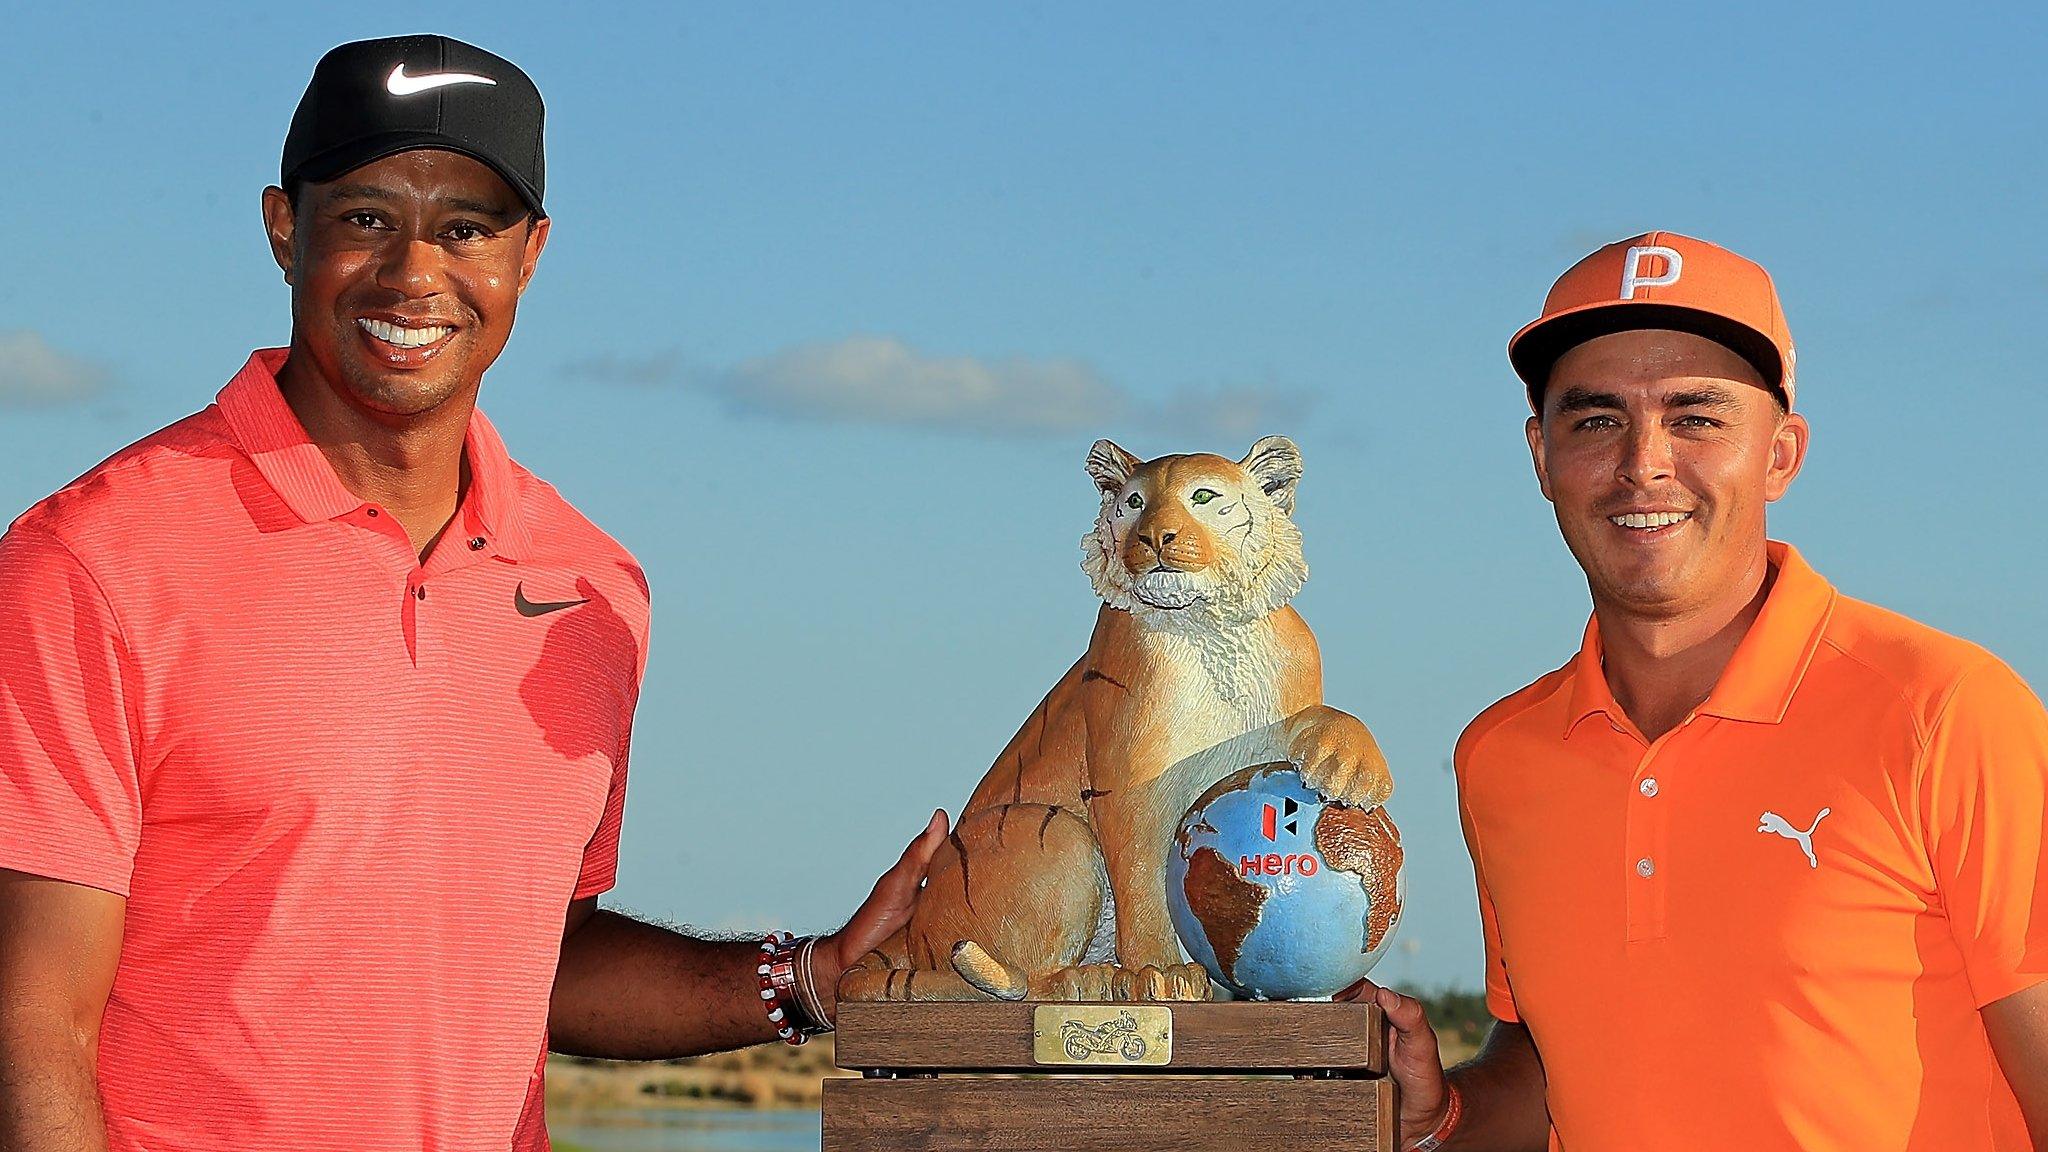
x=1414, y=1061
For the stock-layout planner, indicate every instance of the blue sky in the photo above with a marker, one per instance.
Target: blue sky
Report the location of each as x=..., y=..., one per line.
x=838, y=296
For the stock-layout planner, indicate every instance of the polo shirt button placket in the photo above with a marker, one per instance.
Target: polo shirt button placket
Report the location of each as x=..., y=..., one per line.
x=1646, y=837
x=418, y=626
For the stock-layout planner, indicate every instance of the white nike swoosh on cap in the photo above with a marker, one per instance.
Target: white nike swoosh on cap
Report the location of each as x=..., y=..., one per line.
x=399, y=84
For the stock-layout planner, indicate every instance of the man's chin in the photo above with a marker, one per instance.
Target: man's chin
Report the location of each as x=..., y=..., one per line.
x=1649, y=594
x=401, y=393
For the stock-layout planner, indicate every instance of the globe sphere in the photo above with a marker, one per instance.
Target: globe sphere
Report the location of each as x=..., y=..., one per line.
x=1280, y=894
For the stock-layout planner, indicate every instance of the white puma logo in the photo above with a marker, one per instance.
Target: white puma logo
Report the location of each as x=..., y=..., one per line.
x=1772, y=822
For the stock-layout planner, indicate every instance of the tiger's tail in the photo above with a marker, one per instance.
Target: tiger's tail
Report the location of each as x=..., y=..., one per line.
x=992, y=976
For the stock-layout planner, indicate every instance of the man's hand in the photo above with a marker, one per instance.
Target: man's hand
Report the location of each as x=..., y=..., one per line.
x=886, y=909
x=1502, y=1088
x=626, y=990
x=1413, y=1059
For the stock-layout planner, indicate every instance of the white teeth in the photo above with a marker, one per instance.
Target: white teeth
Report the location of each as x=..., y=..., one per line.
x=1648, y=519
x=403, y=337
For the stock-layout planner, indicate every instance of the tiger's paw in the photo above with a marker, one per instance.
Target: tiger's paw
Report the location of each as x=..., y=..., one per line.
x=1338, y=757
x=1173, y=983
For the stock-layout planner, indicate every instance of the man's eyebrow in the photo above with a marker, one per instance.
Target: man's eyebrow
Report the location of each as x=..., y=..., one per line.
x=360, y=192
x=1578, y=399
x=1700, y=398
x=498, y=212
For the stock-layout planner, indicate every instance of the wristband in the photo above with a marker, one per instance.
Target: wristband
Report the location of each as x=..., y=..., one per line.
x=1454, y=1110
x=807, y=998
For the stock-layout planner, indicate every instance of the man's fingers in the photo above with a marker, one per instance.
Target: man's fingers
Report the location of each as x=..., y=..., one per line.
x=1405, y=1013
x=1365, y=989
x=917, y=855
x=888, y=905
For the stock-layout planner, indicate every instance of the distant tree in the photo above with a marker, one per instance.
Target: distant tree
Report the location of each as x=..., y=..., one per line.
x=1458, y=1013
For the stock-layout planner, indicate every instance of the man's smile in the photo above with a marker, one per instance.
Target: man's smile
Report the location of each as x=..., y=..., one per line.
x=1649, y=523
x=403, y=344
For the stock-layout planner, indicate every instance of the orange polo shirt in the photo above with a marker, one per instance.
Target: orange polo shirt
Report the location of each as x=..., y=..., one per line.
x=1773, y=927
x=347, y=795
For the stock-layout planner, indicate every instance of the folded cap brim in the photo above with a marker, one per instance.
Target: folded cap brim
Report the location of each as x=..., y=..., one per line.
x=1538, y=345
x=337, y=161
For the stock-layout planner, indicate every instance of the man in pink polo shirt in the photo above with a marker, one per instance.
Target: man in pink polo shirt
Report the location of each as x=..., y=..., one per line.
x=315, y=707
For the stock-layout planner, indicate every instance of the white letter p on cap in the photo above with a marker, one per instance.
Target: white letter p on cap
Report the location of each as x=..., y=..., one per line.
x=1632, y=268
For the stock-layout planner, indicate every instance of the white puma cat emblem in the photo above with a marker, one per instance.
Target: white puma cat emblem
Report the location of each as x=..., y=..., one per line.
x=1772, y=822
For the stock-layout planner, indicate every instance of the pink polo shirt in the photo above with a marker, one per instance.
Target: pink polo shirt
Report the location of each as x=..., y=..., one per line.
x=347, y=795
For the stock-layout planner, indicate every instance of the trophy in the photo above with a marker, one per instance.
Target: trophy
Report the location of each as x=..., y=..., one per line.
x=1155, y=890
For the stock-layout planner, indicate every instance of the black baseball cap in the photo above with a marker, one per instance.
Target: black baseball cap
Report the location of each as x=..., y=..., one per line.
x=376, y=98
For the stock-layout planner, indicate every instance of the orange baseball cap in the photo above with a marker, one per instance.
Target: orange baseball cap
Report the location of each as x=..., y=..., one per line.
x=1659, y=280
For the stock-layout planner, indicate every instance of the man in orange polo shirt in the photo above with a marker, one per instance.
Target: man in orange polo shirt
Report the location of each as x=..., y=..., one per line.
x=315, y=708
x=1762, y=866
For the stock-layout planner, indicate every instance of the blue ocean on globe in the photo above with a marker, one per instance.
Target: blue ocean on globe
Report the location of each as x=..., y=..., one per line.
x=1280, y=895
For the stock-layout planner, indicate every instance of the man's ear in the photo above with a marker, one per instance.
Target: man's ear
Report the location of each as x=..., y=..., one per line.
x=1788, y=454
x=1110, y=465
x=536, y=239
x=1534, y=430
x=278, y=225
x=1274, y=463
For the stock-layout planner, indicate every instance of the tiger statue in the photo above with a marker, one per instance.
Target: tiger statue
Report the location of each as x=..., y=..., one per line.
x=1051, y=885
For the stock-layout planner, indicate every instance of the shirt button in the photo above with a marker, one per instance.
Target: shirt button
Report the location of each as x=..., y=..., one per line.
x=1645, y=868
x=1648, y=787
x=373, y=511
x=420, y=593
x=476, y=543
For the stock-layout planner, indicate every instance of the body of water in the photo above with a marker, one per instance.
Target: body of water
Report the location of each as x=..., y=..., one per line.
x=674, y=1130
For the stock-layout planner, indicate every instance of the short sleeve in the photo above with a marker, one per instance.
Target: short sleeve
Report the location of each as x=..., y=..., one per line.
x=1500, y=1000
x=601, y=856
x=1984, y=783
x=70, y=794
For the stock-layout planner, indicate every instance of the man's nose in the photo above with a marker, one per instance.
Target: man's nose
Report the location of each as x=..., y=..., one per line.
x=1646, y=455
x=412, y=267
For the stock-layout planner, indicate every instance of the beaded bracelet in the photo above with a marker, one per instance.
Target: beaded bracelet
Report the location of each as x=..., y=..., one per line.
x=778, y=972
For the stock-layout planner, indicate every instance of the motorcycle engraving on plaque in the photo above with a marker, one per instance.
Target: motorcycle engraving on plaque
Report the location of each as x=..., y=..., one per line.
x=1102, y=1034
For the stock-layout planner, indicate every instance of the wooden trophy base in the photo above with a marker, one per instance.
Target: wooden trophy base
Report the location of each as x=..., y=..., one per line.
x=1308, y=1077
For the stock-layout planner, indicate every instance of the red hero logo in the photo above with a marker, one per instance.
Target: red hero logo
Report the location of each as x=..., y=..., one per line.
x=1276, y=864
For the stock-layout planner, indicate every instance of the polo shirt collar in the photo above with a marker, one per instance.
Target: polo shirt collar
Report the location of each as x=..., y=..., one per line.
x=494, y=488
x=1758, y=683
x=266, y=429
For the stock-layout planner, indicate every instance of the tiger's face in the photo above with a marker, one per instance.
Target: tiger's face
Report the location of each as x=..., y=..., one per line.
x=1196, y=538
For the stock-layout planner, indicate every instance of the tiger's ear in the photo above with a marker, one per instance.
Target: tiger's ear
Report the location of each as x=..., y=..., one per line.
x=1110, y=465
x=1275, y=464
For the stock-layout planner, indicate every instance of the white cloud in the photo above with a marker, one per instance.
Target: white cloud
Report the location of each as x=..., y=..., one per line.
x=882, y=380
x=32, y=372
